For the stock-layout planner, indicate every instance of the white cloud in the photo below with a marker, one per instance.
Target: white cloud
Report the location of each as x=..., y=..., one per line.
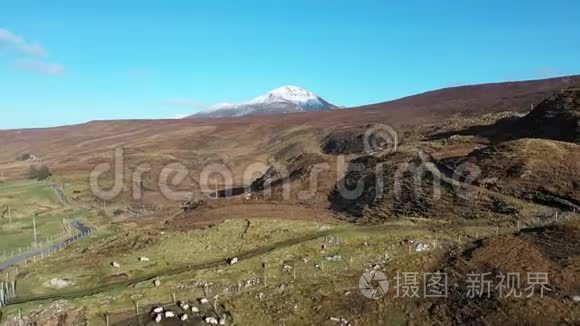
x=22, y=48
x=12, y=42
x=52, y=69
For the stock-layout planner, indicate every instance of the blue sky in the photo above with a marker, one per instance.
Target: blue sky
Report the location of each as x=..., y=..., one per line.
x=65, y=62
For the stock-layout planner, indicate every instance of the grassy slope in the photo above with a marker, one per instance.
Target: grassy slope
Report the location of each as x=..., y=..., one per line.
x=183, y=260
x=27, y=198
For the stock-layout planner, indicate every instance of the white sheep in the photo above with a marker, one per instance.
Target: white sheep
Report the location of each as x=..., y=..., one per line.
x=184, y=317
x=211, y=321
x=115, y=264
x=233, y=260
x=157, y=310
x=169, y=314
x=203, y=301
x=158, y=318
x=157, y=283
x=194, y=309
x=143, y=259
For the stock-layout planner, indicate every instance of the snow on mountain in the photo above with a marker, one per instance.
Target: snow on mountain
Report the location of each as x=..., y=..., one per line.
x=286, y=99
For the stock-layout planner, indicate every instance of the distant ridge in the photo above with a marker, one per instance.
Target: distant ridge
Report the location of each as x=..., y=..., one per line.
x=517, y=96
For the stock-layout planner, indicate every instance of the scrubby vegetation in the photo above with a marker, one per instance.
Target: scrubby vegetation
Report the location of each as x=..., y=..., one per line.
x=24, y=156
x=39, y=173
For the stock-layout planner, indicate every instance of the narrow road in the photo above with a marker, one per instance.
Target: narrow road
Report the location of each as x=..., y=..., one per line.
x=83, y=232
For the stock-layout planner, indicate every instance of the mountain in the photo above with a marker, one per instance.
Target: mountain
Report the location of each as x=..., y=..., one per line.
x=286, y=99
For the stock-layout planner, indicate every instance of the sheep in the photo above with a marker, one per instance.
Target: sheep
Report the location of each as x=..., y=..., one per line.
x=233, y=260
x=184, y=317
x=158, y=318
x=157, y=283
x=222, y=321
x=203, y=301
x=115, y=264
x=211, y=321
x=169, y=314
x=184, y=305
x=144, y=259
x=194, y=309
x=157, y=310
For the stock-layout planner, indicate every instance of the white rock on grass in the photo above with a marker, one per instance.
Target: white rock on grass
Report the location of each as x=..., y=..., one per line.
x=58, y=283
x=342, y=321
x=333, y=258
x=419, y=246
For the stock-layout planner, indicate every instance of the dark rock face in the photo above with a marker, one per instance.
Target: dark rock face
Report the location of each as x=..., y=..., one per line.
x=375, y=189
x=557, y=118
x=357, y=140
x=348, y=141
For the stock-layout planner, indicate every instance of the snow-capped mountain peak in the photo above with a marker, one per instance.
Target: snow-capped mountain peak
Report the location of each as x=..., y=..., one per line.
x=285, y=99
x=293, y=94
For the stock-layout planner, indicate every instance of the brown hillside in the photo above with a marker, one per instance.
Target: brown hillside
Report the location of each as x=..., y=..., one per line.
x=540, y=170
x=239, y=142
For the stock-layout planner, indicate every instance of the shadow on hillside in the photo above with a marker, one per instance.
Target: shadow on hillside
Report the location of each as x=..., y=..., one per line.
x=502, y=130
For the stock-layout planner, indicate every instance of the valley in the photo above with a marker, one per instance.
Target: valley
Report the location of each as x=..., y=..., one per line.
x=482, y=178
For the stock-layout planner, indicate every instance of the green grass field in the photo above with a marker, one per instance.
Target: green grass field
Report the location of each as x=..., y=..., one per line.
x=27, y=199
x=292, y=266
x=184, y=259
